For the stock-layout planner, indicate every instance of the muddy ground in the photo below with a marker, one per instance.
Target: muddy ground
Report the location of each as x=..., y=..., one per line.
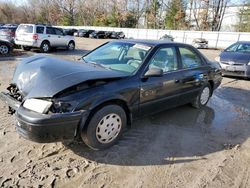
x=181, y=147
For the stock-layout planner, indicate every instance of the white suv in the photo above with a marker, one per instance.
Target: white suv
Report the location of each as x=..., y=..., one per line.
x=43, y=37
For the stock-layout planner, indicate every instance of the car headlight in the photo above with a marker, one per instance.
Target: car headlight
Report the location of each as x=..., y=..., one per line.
x=248, y=63
x=217, y=59
x=37, y=105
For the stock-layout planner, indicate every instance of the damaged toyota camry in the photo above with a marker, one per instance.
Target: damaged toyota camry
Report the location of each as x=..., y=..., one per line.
x=96, y=98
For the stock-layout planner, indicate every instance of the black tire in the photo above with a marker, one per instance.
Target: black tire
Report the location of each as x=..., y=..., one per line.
x=198, y=103
x=45, y=47
x=4, y=49
x=26, y=48
x=71, y=46
x=90, y=133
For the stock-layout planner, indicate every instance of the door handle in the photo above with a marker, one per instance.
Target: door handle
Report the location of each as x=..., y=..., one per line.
x=48, y=35
x=59, y=37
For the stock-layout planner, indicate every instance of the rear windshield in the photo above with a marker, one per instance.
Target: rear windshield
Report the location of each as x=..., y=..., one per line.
x=25, y=29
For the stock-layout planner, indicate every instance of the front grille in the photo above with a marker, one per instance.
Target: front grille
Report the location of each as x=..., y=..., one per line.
x=235, y=64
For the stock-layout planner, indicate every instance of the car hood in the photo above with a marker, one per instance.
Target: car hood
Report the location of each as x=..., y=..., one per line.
x=237, y=57
x=45, y=76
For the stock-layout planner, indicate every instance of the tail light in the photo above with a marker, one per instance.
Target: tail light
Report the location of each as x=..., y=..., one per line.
x=35, y=36
x=11, y=33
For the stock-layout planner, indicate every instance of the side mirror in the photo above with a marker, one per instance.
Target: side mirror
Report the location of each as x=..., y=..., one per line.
x=153, y=72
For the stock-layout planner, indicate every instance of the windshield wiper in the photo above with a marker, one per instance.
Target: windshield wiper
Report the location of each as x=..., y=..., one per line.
x=98, y=64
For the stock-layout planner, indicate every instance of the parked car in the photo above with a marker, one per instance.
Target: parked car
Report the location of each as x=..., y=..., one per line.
x=43, y=37
x=76, y=33
x=97, y=35
x=98, y=97
x=108, y=34
x=69, y=31
x=8, y=33
x=117, y=35
x=235, y=60
x=83, y=33
x=167, y=37
x=5, y=47
x=200, y=43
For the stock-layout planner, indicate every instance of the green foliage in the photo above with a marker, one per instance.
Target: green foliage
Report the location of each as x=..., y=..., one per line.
x=244, y=19
x=175, y=15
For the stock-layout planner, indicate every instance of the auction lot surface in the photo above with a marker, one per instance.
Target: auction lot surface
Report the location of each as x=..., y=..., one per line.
x=181, y=147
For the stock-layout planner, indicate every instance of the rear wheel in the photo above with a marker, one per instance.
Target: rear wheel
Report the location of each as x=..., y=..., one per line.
x=4, y=49
x=71, y=45
x=45, y=47
x=203, y=97
x=105, y=127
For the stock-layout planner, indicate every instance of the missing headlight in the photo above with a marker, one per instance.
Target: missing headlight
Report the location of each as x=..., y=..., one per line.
x=60, y=107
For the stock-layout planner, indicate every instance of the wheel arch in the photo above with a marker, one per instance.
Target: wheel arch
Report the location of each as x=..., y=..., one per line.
x=97, y=106
x=71, y=41
x=45, y=41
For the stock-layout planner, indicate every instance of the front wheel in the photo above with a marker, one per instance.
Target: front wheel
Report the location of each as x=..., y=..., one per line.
x=203, y=97
x=105, y=127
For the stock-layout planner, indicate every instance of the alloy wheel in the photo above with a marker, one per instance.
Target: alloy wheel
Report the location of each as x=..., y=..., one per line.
x=4, y=49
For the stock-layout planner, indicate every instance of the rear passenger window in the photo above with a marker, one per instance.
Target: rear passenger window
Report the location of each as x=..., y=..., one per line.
x=39, y=30
x=50, y=30
x=189, y=58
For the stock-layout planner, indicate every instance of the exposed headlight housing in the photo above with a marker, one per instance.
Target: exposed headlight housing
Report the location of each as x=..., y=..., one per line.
x=37, y=105
x=217, y=59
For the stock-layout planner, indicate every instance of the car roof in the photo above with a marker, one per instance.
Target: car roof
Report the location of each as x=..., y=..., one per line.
x=150, y=42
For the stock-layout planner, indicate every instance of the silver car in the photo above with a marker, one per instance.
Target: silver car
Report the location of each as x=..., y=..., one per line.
x=44, y=37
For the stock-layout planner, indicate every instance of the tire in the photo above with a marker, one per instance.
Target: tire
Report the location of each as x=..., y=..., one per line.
x=26, y=48
x=45, y=47
x=4, y=49
x=203, y=97
x=71, y=46
x=105, y=127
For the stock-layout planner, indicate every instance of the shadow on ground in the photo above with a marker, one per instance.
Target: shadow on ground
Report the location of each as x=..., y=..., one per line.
x=178, y=135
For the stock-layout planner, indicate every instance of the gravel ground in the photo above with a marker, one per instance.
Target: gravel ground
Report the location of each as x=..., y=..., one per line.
x=181, y=147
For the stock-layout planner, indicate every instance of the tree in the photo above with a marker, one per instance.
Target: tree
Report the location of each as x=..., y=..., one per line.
x=244, y=18
x=175, y=15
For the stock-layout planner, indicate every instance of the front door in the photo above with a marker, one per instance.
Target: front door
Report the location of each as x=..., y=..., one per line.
x=159, y=93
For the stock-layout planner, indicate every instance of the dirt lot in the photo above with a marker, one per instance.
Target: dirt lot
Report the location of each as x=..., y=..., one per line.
x=181, y=147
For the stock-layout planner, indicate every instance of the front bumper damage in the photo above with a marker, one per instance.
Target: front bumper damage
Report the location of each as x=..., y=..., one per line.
x=44, y=128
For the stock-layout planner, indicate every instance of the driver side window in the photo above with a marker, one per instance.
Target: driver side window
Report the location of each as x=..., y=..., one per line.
x=165, y=59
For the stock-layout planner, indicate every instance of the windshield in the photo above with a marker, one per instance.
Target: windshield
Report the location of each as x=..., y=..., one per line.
x=119, y=56
x=239, y=47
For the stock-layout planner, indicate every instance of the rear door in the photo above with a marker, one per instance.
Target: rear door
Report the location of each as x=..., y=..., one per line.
x=195, y=73
x=51, y=36
x=61, y=39
x=159, y=93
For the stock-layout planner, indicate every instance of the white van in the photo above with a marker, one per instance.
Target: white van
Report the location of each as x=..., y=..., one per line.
x=44, y=37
